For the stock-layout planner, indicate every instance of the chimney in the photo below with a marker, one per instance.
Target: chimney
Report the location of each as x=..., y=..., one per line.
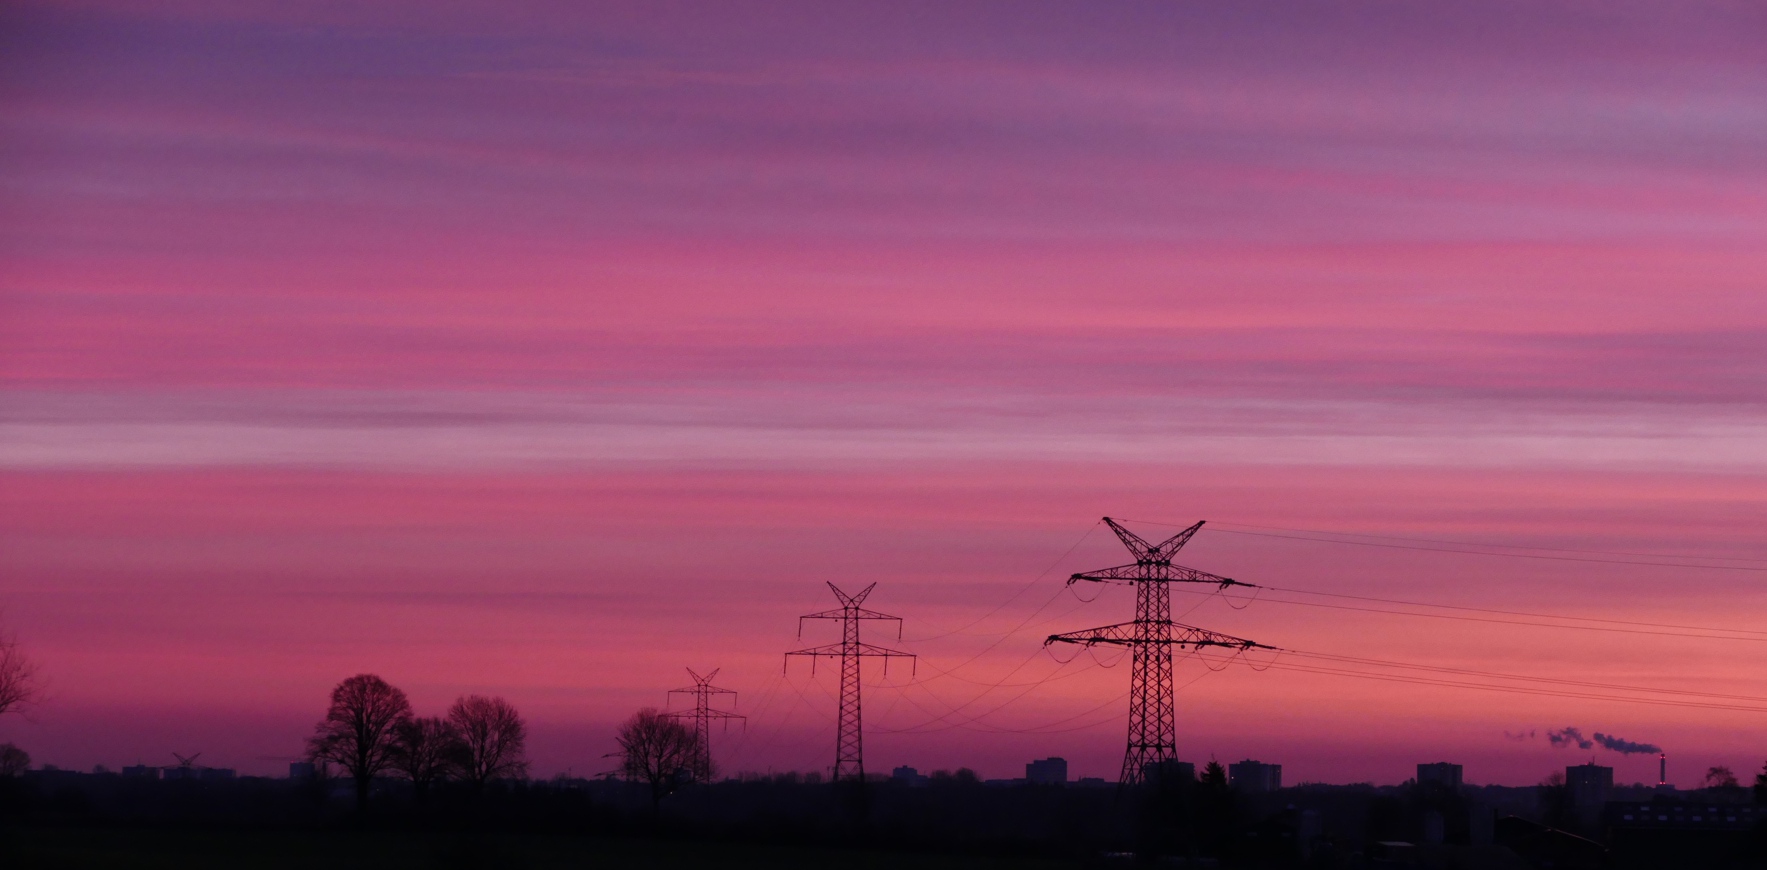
x=1662, y=769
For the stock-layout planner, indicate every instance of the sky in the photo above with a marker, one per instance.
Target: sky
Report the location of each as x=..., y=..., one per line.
x=549, y=349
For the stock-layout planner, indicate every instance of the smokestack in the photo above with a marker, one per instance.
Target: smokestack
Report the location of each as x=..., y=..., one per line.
x=1662, y=769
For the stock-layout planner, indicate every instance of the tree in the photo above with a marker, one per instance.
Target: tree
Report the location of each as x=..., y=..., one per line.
x=18, y=676
x=1215, y=817
x=657, y=750
x=1720, y=777
x=358, y=730
x=13, y=760
x=1214, y=775
x=493, y=739
x=1761, y=786
x=1555, y=800
x=425, y=750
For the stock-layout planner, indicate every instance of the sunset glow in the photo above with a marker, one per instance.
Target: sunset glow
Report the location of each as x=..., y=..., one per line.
x=547, y=354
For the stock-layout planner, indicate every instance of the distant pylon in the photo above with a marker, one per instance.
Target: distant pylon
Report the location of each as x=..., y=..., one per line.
x=849, y=755
x=1150, y=639
x=702, y=715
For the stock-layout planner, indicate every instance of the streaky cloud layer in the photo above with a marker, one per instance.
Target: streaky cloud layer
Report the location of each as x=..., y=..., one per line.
x=547, y=348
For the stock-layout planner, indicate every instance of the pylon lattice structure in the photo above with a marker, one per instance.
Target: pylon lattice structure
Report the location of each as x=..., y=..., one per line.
x=1151, y=639
x=849, y=755
x=702, y=715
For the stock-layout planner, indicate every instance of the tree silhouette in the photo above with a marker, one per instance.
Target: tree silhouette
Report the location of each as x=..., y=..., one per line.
x=426, y=750
x=18, y=676
x=13, y=760
x=493, y=739
x=1720, y=777
x=358, y=730
x=1761, y=786
x=1214, y=775
x=658, y=750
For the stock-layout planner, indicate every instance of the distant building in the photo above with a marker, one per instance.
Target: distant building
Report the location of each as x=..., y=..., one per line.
x=178, y=773
x=908, y=776
x=1440, y=773
x=1254, y=776
x=141, y=771
x=216, y=774
x=1092, y=782
x=1586, y=788
x=302, y=770
x=1680, y=817
x=1049, y=771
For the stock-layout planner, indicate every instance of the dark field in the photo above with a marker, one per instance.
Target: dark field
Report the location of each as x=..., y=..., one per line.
x=336, y=850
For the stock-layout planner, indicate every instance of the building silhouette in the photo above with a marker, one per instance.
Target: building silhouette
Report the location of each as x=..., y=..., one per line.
x=908, y=776
x=1048, y=771
x=1254, y=776
x=1586, y=790
x=1440, y=773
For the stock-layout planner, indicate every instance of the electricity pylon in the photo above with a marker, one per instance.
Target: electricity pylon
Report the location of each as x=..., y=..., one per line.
x=849, y=756
x=702, y=715
x=1150, y=639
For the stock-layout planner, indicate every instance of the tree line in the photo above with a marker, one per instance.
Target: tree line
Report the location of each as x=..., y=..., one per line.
x=370, y=730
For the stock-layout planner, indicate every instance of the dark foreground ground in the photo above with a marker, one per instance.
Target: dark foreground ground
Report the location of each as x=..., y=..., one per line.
x=64, y=819
x=150, y=849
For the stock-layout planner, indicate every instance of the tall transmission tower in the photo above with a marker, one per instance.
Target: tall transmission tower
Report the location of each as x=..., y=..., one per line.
x=702, y=715
x=849, y=756
x=1150, y=639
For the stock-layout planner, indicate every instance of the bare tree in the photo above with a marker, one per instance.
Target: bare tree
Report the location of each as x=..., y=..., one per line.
x=358, y=730
x=1720, y=777
x=425, y=750
x=18, y=676
x=658, y=750
x=493, y=739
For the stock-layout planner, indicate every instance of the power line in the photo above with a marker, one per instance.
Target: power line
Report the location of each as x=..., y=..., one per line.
x=939, y=717
x=1014, y=597
x=1503, y=555
x=1516, y=612
x=1488, y=620
x=1355, y=660
x=1480, y=544
x=1518, y=690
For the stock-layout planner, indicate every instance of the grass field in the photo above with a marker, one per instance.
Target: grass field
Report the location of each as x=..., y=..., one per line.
x=82, y=848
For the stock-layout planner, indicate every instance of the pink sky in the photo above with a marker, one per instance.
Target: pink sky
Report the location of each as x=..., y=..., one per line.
x=546, y=350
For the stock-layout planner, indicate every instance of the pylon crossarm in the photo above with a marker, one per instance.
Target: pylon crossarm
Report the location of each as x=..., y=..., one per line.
x=694, y=690
x=853, y=612
x=1137, y=573
x=710, y=714
x=1163, y=552
x=852, y=600
x=1128, y=634
x=836, y=650
x=1136, y=544
x=1152, y=553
